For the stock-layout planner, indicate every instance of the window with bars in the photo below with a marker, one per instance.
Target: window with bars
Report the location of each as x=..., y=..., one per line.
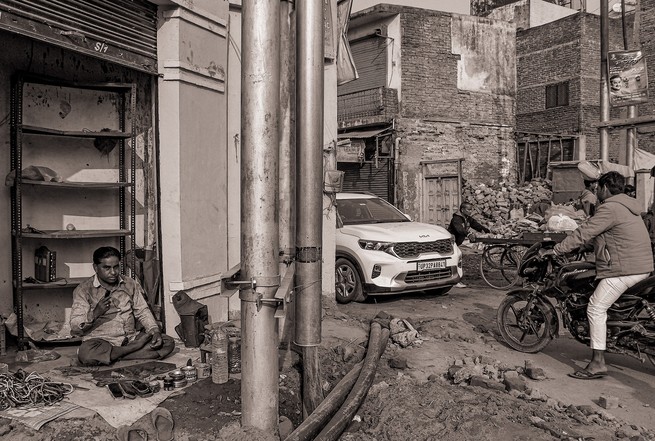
x=557, y=95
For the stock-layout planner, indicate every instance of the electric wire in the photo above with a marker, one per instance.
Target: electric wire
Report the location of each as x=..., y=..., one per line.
x=30, y=389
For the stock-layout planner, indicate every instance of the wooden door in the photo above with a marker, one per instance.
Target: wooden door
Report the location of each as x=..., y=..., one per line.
x=441, y=199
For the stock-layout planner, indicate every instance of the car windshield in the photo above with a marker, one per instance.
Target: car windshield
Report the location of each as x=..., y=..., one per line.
x=368, y=211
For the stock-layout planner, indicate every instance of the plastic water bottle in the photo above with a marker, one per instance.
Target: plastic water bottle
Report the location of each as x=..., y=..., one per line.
x=220, y=372
x=234, y=354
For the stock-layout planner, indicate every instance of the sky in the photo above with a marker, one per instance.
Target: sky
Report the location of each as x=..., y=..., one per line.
x=459, y=6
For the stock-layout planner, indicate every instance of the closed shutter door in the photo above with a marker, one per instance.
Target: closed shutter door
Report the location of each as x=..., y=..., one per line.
x=370, y=55
x=368, y=178
x=120, y=31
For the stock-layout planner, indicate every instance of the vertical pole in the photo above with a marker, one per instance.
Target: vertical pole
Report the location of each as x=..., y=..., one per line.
x=633, y=112
x=604, y=87
x=309, y=228
x=260, y=98
x=287, y=225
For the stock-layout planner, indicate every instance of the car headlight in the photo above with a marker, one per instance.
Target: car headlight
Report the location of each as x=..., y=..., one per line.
x=372, y=245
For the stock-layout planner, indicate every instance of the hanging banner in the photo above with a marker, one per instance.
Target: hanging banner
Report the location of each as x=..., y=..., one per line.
x=628, y=78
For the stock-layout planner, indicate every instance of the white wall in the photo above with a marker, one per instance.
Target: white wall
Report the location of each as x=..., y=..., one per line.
x=542, y=12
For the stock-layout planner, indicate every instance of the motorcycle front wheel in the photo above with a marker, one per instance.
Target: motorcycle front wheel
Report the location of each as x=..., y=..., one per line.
x=525, y=326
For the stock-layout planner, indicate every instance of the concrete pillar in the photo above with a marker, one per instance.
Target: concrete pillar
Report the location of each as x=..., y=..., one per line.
x=192, y=110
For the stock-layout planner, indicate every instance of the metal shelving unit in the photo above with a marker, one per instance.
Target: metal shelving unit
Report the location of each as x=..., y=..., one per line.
x=20, y=234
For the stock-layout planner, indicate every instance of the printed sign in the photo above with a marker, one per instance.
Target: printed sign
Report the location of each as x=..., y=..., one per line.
x=350, y=150
x=628, y=78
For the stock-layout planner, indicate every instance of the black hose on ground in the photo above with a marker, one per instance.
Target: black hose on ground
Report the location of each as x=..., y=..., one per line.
x=345, y=414
x=308, y=428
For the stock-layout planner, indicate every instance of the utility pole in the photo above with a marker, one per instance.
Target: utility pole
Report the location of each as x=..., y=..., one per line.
x=309, y=230
x=633, y=112
x=604, y=85
x=260, y=276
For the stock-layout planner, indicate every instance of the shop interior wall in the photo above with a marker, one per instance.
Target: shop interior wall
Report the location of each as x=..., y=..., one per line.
x=72, y=159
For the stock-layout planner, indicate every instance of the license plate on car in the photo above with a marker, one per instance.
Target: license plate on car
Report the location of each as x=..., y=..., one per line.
x=430, y=265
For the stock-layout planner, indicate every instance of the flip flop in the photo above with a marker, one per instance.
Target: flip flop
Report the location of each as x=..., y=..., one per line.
x=584, y=374
x=162, y=421
x=126, y=433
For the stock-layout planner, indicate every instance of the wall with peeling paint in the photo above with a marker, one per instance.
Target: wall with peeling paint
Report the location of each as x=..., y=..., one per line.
x=72, y=159
x=459, y=97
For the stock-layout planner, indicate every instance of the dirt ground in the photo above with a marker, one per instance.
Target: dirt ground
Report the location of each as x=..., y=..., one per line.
x=417, y=399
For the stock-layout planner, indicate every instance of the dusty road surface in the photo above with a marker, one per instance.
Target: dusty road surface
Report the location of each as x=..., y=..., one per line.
x=419, y=402
x=414, y=395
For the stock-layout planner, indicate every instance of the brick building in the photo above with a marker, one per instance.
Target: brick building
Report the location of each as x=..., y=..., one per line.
x=434, y=104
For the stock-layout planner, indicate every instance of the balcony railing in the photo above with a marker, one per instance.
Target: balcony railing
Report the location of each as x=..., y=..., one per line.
x=373, y=104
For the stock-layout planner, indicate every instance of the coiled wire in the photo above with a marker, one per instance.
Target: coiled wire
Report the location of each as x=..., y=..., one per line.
x=30, y=389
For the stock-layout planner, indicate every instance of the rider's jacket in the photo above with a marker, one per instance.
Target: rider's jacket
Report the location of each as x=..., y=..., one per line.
x=621, y=241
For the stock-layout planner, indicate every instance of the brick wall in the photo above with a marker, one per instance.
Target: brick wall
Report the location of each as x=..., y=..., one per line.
x=485, y=150
x=565, y=50
x=430, y=70
x=440, y=120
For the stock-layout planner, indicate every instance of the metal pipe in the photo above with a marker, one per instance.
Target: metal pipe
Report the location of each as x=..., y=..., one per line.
x=604, y=85
x=260, y=79
x=287, y=227
x=309, y=128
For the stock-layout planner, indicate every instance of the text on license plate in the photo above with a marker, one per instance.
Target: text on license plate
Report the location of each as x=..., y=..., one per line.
x=430, y=264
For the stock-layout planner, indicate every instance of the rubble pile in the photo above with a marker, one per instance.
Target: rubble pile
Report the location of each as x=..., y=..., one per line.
x=507, y=208
x=488, y=373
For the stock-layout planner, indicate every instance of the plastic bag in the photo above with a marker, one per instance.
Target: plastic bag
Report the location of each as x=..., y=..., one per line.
x=561, y=222
x=34, y=173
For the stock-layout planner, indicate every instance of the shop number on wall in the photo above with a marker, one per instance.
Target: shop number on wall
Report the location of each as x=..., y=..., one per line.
x=101, y=47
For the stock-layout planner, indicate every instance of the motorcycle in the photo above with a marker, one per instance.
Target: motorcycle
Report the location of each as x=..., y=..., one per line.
x=528, y=319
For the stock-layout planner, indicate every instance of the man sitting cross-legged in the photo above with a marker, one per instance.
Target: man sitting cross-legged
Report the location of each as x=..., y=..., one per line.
x=105, y=309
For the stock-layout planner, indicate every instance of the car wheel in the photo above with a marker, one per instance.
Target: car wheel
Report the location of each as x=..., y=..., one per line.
x=348, y=285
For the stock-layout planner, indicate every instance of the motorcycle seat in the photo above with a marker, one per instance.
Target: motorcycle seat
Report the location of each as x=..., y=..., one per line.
x=641, y=289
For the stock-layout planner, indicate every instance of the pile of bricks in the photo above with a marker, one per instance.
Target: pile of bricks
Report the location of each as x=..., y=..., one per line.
x=494, y=203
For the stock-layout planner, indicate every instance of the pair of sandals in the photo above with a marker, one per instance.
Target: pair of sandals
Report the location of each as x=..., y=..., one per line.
x=162, y=421
x=134, y=388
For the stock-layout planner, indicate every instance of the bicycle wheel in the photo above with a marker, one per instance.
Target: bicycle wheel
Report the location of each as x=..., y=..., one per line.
x=510, y=261
x=491, y=266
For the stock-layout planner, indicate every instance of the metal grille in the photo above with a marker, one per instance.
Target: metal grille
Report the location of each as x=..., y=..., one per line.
x=426, y=276
x=370, y=56
x=413, y=249
x=122, y=31
x=367, y=178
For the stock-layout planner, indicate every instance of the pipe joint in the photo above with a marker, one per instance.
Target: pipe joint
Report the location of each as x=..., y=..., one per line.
x=253, y=296
x=309, y=254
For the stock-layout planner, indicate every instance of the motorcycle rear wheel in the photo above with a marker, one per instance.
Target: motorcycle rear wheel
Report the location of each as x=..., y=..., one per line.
x=523, y=330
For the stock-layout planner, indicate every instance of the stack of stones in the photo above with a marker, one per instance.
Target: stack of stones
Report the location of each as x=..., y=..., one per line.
x=493, y=204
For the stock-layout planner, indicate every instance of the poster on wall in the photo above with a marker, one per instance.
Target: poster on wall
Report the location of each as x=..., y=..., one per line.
x=628, y=78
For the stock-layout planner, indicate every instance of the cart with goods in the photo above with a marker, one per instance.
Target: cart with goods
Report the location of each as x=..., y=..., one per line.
x=501, y=257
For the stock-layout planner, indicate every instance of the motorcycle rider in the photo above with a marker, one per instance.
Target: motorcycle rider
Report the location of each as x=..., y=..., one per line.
x=623, y=258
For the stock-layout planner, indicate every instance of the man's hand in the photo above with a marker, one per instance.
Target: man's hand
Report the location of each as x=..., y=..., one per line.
x=103, y=306
x=471, y=237
x=156, y=342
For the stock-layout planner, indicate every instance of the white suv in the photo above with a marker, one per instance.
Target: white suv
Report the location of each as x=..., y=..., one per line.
x=381, y=251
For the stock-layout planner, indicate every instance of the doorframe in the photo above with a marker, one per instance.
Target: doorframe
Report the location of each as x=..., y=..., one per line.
x=427, y=172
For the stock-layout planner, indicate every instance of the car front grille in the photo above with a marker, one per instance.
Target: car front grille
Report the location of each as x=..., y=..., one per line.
x=413, y=249
x=426, y=276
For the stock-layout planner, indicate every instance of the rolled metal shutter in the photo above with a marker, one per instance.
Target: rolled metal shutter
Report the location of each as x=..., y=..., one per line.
x=368, y=179
x=120, y=31
x=370, y=55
